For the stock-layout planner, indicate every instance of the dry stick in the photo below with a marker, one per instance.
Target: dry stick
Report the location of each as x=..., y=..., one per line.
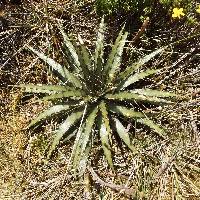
x=141, y=31
x=120, y=188
x=87, y=189
x=78, y=136
x=144, y=26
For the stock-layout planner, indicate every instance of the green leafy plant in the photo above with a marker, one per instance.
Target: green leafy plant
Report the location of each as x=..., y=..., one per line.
x=115, y=6
x=93, y=94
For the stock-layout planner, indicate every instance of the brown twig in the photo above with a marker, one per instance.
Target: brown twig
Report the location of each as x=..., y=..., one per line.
x=141, y=31
x=119, y=188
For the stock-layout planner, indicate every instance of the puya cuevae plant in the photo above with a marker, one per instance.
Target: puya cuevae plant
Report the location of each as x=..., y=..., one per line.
x=92, y=95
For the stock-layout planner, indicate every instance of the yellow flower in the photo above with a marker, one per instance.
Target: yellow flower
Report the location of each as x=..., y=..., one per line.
x=198, y=9
x=177, y=13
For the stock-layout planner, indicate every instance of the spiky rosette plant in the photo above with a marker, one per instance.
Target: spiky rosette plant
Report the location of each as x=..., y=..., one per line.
x=92, y=95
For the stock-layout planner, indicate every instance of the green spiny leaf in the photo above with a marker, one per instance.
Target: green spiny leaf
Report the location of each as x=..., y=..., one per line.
x=76, y=94
x=153, y=126
x=84, y=158
x=76, y=152
x=81, y=142
x=153, y=93
x=86, y=65
x=129, y=70
x=77, y=144
x=104, y=135
x=71, y=51
x=88, y=127
x=52, y=63
x=105, y=132
x=49, y=112
x=123, y=134
x=48, y=89
x=85, y=55
x=64, y=127
x=119, y=35
x=61, y=71
x=73, y=79
x=135, y=97
x=116, y=61
x=125, y=111
x=114, y=53
x=99, y=61
x=104, y=112
x=136, y=77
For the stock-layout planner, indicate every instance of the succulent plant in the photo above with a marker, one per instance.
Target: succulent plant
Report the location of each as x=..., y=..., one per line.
x=94, y=93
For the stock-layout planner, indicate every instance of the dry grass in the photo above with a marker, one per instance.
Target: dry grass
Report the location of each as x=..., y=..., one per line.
x=161, y=170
